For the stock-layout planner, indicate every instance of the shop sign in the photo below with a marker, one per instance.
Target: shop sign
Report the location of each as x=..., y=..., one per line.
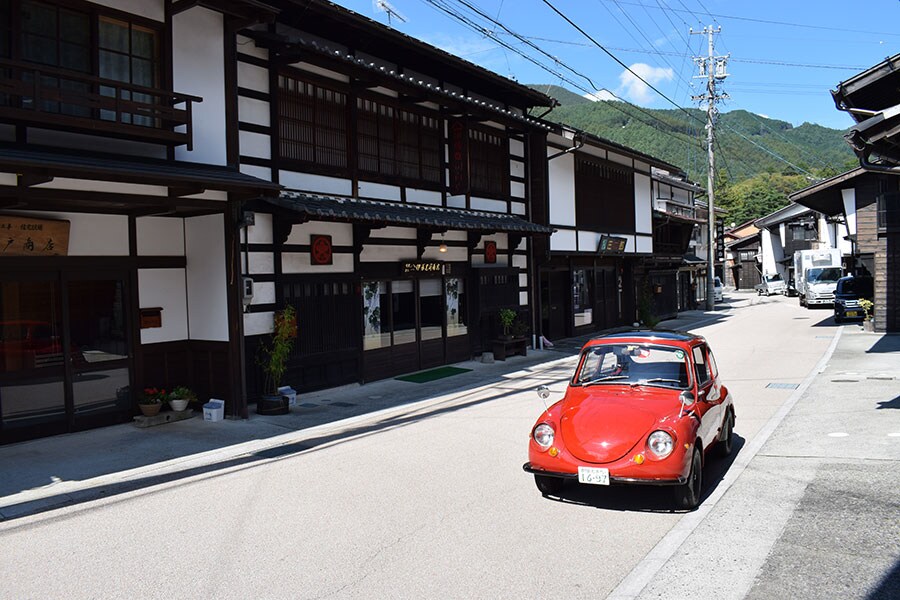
x=490, y=252
x=320, y=251
x=424, y=268
x=28, y=236
x=459, y=157
x=609, y=243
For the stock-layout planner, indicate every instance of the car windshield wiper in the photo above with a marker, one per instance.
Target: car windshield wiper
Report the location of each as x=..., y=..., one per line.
x=659, y=380
x=603, y=379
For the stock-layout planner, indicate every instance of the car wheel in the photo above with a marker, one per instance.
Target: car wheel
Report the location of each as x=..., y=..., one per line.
x=548, y=485
x=687, y=496
x=724, y=445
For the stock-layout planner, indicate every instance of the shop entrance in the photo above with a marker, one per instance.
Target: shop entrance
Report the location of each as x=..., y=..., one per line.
x=65, y=359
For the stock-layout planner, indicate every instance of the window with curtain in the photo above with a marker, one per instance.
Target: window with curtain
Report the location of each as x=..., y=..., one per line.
x=312, y=123
x=488, y=163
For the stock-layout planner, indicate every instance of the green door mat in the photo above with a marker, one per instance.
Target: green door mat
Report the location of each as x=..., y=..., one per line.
x=426, y=376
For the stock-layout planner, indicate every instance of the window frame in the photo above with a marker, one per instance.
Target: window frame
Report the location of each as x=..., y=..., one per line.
x=488, y=162
x=604, y=195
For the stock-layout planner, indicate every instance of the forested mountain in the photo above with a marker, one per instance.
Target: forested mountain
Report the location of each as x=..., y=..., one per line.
x=767, y=155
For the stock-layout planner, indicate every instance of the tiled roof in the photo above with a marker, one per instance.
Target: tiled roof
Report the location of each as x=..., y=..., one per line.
x=339, y=208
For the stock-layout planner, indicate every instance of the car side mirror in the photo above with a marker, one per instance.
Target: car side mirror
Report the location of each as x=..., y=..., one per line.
x=543, y=392
x=687, y=398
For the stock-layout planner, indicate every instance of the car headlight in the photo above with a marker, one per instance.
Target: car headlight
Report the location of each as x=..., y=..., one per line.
x=543, y=435
x=660, y=444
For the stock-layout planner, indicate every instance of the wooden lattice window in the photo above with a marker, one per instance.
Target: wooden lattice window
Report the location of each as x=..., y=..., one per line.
x=312, y=123
x=397, y=144
x=488, y=163
x=604, y=196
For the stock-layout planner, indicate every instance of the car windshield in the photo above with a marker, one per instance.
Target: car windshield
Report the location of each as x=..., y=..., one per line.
x=635, y=364
x=772, y=278
x=826, y=275
x=859, y=286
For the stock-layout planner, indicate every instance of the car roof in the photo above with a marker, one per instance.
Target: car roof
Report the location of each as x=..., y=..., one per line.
x=645, y=334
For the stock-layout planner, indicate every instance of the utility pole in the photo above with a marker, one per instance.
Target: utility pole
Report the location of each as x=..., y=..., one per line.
x=712, y=68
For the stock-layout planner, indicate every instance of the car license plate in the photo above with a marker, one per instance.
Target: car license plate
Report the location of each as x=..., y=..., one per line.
x=593, y=475
x=850, y=313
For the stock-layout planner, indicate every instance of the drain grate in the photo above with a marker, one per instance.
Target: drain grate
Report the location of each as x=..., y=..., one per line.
x=783, y=386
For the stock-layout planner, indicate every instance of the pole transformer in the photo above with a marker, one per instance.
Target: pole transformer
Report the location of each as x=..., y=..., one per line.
x=712, y=68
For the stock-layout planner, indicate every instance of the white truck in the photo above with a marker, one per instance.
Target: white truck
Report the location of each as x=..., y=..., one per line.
x=815, y=275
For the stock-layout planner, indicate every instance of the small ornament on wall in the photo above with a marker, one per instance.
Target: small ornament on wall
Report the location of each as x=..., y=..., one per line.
x=320, y=250
x=490, y=252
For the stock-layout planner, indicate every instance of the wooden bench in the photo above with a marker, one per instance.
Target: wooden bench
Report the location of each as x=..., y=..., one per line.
x=512, y=347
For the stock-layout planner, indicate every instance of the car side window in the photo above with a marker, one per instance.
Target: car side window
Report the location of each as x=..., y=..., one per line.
x=700, y=365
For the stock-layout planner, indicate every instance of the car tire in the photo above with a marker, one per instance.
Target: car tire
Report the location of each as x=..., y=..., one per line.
x=687, y=495
x=548, y=485
x=725, y=444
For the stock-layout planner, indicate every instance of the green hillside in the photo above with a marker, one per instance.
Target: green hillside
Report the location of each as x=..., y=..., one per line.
x=749, y=148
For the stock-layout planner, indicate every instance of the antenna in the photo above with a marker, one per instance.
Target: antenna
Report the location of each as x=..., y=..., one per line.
x=386, y=7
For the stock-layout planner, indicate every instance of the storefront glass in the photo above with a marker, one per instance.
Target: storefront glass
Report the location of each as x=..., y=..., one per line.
x=456, y=307
x=403, y=312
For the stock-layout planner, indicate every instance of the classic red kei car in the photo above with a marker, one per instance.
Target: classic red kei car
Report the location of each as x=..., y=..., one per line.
x=643, y=407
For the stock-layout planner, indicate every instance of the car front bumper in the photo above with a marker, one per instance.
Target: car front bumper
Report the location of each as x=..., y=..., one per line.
x=613, y=479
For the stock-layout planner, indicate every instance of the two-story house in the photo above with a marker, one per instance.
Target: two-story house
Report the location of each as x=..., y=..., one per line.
x=404, y=225
x=118, y=205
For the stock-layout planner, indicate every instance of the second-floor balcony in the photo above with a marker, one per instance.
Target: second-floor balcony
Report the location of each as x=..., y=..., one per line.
x=49, y=97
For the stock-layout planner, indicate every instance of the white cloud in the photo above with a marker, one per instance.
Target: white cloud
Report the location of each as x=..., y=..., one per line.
x=636, y=90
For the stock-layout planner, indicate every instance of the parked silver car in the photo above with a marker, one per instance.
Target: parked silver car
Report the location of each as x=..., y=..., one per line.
x=772, y=283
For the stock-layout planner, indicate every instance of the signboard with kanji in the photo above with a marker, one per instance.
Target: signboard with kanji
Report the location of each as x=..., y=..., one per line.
x=459, y=157
x=29, y=236
x=609, y=243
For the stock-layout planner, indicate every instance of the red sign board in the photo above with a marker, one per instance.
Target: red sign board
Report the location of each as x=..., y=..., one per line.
x=459, y=157
x=320, y=251
x=490, y=252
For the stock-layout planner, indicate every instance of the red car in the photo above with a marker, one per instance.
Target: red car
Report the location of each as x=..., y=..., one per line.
x=643, y=407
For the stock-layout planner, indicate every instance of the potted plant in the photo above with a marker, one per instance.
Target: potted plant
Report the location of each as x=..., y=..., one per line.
x=274, y=359
x=151, y=401
x=180, y=397
x=507, y=317
x=867, y=306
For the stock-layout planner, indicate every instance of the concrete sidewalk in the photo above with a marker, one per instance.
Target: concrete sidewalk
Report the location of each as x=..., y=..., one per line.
x=69, y=469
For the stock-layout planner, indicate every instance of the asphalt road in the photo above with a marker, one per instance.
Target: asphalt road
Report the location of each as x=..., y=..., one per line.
x=428, y=501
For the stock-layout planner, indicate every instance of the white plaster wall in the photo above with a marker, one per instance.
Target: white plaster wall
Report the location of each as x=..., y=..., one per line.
x=849, y=198
x=89, y=235
x=9, y=179
x=406, y=233
x=164, y=288
x=520, y=261
x=643, y=244
x=257, y=145
x=199, y=69
x=150, y=9
x=113, y=187
x=253, y=77
x=261, y=263
x=523, y=298
x=517, y=208
x=844, y=244
x=771, y=251
x=251, y=110
x=341, y=233
x=782, y=232
x=641, y=166
x=487, y=204
x=517, y=148
x=453, y=254
x=643, y=204
x=258, y=323
x=261, y=231
x=249, y=47
x=563, y=240
x=517, y=189
x=263, y=292
x=516, y=168
x=562, y=190
x=588, y=241
x=429, y=197
x=456, y=201
x=318, y=184
x=618, y=158
x=206, y=278
x=160, y=236
x=300, y=262
x=387, y=253
x=379, y=191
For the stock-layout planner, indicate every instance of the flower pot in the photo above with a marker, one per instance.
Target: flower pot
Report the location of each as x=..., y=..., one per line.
x=178, y=404
x=273, y=404
x=150, y=410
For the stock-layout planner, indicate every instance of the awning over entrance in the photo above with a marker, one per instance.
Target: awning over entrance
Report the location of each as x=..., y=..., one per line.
x=35, y=166
x=379, y=213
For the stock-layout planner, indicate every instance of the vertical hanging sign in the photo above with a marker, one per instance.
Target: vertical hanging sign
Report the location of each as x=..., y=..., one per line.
x=459, y=157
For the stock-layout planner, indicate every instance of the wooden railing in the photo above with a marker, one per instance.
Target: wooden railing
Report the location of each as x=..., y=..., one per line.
x=62, y=99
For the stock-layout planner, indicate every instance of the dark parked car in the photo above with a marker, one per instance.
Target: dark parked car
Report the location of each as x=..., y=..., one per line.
x=847, y=295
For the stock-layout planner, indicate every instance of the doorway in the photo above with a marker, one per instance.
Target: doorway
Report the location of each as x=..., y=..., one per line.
x=65, y=352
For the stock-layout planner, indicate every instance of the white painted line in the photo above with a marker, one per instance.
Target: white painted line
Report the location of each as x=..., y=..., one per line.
x=838, y=434
x=895, y=434
x=644, y=572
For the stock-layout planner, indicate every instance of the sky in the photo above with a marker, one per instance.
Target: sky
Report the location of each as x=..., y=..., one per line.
x=784, y=55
